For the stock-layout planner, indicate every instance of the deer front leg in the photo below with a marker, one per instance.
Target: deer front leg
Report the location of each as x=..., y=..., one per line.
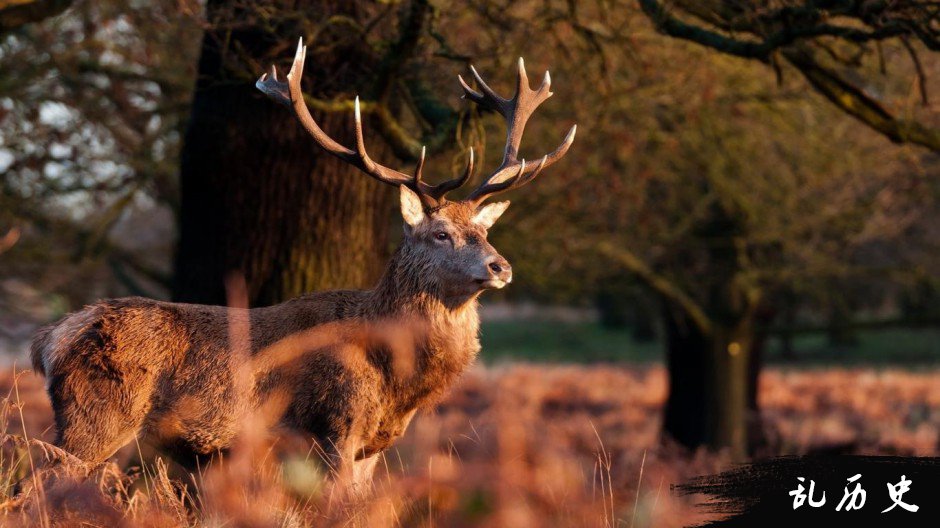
x=340, y=460
x=380, y=439
x=361, y=481
x=351, y=472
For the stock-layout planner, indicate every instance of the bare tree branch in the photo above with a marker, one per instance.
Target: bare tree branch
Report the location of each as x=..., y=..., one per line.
x=16, y=13
x=789, y=30
x=658, y=283
x=855, y=102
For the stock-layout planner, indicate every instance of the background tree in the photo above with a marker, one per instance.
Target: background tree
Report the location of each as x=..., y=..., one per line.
x=716, y=187
x=16, y=13
x=843, y=49
x=257, y=195
x=91, y=110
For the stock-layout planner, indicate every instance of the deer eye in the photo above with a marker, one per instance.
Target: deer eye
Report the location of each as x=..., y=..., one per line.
x=442, y=236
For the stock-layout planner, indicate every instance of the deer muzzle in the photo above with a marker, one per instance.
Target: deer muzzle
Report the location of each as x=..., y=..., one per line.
x=500, y=273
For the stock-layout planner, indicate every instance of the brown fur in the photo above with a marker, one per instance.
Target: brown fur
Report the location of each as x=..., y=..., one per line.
x=339, y=366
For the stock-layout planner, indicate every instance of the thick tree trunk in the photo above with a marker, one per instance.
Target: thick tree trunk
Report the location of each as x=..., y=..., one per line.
x=258, y=197
x=713, y=370
x=686, y=407
x=709, y=384
x=727, y=382
x=644, y=325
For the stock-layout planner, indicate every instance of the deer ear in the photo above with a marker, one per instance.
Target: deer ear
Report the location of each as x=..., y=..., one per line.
x=412, y=210
x=488, y=215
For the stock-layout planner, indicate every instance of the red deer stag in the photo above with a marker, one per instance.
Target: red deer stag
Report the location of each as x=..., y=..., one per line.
x=123, y=367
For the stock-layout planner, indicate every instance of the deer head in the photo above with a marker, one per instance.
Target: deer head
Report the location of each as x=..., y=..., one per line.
x=447, y=239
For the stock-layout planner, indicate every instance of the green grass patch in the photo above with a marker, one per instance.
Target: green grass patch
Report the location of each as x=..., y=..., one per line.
x=543, y=341
x=552, y=342
x=892, y=346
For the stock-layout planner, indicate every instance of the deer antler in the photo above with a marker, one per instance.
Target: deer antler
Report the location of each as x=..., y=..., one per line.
x=513, y=173
x=290, y=94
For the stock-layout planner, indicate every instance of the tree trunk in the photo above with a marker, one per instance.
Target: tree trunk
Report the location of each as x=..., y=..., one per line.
x=788, y=324
x=258, y=197
x=709, y=356
x=727, y=385
x=763, y=317
x=840, y=332
x=709, y=383
x=644, y=324
x=686, y=407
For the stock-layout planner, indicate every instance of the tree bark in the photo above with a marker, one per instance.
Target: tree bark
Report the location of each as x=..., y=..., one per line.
x=727, y=385
x=710, y=378
x=258, y=197
x=710, y=344
x=684, y=418
x=757, y=436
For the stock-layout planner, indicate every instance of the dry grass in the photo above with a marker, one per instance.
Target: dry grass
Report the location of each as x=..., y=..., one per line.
x=517, y=446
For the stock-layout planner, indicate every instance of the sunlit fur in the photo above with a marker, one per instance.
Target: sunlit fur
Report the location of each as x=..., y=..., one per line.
x=348, y=368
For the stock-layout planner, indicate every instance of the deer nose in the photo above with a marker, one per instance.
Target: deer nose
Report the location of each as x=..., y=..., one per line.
x=501, y=269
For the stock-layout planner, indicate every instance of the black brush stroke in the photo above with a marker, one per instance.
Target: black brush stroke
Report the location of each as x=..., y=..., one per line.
x=757, y=494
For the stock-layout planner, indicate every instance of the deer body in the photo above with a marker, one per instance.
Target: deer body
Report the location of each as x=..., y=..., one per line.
x=347, y=368
x=132, y=366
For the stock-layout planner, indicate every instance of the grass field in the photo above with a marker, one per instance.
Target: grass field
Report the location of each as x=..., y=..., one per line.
x=559, y=425
x=512, y=445
x=586, y=342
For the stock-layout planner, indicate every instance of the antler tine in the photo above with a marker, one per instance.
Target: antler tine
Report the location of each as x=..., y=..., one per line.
x=488, y=99
x=369, y=166
x=502, y=175
x=522, y=79
x=524, y=104
x=420, y=167
x=526, y=178
x=516, y=112
x=291, y=94
x=488, y=188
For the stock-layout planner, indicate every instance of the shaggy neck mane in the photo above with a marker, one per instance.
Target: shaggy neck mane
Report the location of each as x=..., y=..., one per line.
x=408, y=288
x=450, y=343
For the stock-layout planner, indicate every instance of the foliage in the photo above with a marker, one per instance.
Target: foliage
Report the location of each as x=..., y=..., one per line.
x=16, y=13
x=90, y=123
x=841, y=48
x=659, y=148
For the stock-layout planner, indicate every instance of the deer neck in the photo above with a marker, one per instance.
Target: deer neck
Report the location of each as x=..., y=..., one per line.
x=451, y=335
x=406, y=292
x=405, y=289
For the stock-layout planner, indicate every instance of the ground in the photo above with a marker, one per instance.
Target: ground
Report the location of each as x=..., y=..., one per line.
x=513, y=445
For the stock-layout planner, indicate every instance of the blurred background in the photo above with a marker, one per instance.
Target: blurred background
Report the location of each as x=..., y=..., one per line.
x=753, y=189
